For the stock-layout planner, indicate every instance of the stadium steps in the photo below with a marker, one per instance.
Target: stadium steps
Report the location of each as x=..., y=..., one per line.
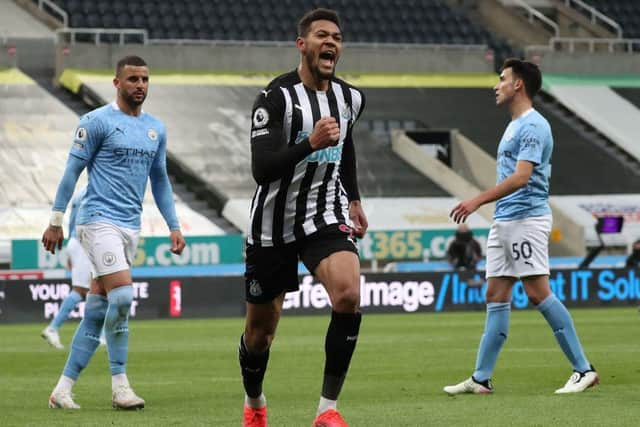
x=508, y=23
x=630, y=94
x=573, y=23
x=474, y=113
x=609, y=148
x=189, y=188
x=464, y=183
x=71, y=100
x=381, y=173
x=189, y=195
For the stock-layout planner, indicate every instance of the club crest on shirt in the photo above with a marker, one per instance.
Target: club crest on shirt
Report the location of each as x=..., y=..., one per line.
x=301, y=136
x=81, y=134
x=254, y=288
x=346, y=113
x=152, y=134
x=260, y=118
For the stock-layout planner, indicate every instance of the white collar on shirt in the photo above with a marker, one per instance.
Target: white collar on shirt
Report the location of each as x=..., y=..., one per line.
x=115, y=106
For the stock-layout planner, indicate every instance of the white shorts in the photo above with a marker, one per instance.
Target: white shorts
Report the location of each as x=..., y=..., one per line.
x=80, y=264
x=519, y=248
x=110, y=248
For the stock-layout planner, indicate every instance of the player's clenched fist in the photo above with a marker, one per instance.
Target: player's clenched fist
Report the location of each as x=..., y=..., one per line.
x=326, y=133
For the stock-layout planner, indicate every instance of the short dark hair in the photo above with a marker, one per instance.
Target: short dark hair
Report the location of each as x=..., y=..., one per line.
x=528, y=72
x=316, y=15
x=134, y=60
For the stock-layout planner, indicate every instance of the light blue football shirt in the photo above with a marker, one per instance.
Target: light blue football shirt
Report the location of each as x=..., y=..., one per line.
x=120, y=151
x=526, y=138
x=75, y=206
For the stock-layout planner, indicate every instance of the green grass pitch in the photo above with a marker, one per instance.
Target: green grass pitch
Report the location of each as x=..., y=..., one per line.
x=188, y=373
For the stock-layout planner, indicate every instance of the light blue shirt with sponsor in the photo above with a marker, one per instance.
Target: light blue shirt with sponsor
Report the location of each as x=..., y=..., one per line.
x=121, y=152
x=526, y=138
x=75, y=206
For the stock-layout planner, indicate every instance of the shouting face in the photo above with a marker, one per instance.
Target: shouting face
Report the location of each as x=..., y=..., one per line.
x=321, y=48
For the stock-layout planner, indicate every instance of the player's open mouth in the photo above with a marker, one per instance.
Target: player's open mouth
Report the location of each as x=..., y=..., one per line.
x=327, y=58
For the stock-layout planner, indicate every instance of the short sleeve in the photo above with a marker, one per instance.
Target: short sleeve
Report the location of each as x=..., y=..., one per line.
x=87, y=137
x=531, y=144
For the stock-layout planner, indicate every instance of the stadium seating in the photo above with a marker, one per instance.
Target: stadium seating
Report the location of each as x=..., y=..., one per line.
x=477, y=118
x=36, y=131
x=372, y=21
x=213, y=142
x=624, y=12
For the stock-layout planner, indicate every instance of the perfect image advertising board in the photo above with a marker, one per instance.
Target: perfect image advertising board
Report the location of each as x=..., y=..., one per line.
x=455, y=291
x=193, y=297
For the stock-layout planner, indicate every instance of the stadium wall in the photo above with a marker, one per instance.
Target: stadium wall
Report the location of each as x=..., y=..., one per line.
x=197, y=297
x=277, y=57
x=27, y=53
x=585, y=63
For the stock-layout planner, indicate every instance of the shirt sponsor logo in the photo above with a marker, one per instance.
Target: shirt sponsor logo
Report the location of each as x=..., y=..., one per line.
x=330, y=154
x=134, y=152
x=530, y=142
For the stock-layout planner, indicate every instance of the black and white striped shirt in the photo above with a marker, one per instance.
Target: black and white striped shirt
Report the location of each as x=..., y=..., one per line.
x=300, y=190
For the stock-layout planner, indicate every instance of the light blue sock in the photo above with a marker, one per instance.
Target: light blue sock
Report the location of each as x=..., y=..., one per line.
x=67, y=306
x=496, y=329
x=116, y=328
x=87, y=336
x=561, y=323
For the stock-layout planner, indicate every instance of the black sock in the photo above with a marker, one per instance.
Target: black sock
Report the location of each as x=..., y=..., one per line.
x=253, y=367
x=339, y=345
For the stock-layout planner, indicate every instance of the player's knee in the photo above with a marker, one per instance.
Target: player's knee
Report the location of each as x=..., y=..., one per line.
x=120, y=300
x=496, y=295
x=347, y=300
x=95, y=308
x=258, y=343
x=258, y=340
x=535, y=299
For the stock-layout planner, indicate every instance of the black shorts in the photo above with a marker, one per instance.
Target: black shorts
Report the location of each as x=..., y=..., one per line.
x=273, y=270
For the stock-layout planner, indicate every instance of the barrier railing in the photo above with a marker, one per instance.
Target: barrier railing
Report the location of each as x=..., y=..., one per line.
x=122, y=33
x=571, y=44
x=534, y=14
x=594, y=15
x=54, y=8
